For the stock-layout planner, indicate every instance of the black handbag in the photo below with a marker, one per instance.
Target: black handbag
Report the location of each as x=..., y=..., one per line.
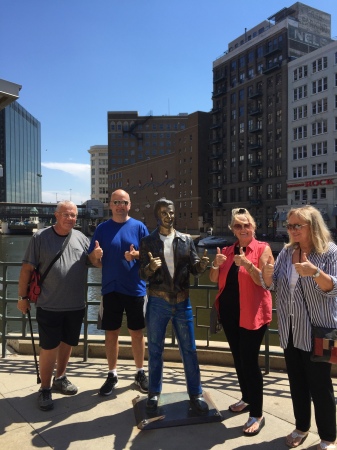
x=324, y=340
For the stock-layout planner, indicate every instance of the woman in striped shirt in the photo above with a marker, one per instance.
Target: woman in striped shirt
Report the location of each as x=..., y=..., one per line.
x=306, y=267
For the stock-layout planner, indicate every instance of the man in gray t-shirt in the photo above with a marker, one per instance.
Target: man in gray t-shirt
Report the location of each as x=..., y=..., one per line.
x=60, y=306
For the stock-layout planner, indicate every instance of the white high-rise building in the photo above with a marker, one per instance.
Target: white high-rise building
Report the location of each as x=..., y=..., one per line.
x=312, y=132
x=99, y=175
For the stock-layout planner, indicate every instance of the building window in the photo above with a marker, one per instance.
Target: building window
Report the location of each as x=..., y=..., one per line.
x=319, y=148
x=300, y=132
x=320, y=85
x=319, y=106
x=269, y=191
x=319, y=169
x=300, y=92
x=300, y=152
x=250, y=72
x=300, y=72
x=300, y=172
x=319, y=127
x=300, y=112
x=320, y=64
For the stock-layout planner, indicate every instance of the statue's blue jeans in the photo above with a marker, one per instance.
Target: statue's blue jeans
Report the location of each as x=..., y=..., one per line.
x=158, y=314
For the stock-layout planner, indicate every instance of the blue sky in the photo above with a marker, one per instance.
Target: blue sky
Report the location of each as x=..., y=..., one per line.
x=78, y=59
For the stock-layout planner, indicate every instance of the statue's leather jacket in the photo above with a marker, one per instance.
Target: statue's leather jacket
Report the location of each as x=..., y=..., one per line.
x=186, y=262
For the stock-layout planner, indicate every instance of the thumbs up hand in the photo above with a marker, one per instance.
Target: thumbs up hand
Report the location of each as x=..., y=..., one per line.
x=219, y=258
x=131, y=254
x=304, y=267
x=203, y=263
x=268, y=268
x=97, y=251
x=241, y=259
x=155, y=263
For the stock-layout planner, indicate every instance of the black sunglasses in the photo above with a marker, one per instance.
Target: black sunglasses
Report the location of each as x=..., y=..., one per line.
x=120, y=202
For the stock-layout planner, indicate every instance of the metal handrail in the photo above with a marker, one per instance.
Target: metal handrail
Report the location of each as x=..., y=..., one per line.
x=209, y=344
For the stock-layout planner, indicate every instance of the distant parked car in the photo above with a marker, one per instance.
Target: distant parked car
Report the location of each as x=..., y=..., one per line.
x=212, y=242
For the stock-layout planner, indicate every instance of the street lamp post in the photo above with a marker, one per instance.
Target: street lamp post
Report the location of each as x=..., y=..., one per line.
x=70, y=193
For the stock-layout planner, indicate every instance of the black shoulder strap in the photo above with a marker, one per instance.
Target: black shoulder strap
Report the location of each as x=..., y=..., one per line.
x=57, y=256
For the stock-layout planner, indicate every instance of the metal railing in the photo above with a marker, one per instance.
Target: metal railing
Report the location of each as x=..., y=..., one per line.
x=205, y=294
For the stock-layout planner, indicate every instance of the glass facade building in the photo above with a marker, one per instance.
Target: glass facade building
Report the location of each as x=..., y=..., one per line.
x=20, y=156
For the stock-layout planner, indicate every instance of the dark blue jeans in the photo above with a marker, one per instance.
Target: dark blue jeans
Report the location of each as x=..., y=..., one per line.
x=158, y=314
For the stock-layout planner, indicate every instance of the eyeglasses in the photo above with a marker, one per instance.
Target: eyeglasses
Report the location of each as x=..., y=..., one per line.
x=239, y=226
x=120, y=202
x=295, y=226
x=68, y=216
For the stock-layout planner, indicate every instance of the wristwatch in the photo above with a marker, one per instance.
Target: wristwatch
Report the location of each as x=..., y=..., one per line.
x=22, y=298
x=317, y=273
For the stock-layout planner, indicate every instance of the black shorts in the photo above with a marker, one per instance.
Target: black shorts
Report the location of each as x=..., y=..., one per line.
x=59, y=326
x=114, y=305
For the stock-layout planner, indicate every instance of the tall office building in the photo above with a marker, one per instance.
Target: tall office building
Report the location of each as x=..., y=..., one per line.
x=249, y=139
x=20, y=155
x=312, y=135
x=99, y=175
x=155, y=156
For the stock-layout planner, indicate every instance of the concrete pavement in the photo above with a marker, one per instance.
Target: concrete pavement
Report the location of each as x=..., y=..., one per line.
x=89, y=421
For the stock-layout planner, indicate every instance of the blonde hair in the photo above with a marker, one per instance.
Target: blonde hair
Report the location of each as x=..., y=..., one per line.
x=320, y=233
x=241, y=212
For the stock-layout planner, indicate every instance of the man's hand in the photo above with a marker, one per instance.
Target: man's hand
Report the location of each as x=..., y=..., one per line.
x=131, y=254
x=204, y=261
x=23, y=305
x=155, y=263
x=97, y=251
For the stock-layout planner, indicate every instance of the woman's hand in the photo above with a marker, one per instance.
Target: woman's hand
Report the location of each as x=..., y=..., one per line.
x=241, y=260
x=305, y=268
x=219, y=258
x=268, y=271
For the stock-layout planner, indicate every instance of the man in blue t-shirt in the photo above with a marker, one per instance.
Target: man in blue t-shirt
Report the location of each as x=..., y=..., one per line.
x=115, y=248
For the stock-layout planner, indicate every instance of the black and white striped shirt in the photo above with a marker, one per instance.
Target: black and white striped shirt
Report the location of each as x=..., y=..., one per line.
x=291, y=309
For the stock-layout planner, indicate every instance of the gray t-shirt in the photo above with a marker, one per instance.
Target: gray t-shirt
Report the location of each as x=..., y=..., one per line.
x=64, y=288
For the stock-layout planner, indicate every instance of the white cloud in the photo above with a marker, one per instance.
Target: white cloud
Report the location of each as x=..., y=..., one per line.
x=64, y=181
x=78, y=170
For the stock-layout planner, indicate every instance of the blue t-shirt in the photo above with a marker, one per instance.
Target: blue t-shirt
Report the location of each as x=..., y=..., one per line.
x=118, y=274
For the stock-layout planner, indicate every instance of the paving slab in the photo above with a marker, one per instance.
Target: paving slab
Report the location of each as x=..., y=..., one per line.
x=89, y=421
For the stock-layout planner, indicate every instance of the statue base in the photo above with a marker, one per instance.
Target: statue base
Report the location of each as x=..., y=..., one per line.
x=173, y=410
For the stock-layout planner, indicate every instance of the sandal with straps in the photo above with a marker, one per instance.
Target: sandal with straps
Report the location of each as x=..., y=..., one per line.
x=239, y=407
x=260, y=424
x=326, y=445
x=296, y=438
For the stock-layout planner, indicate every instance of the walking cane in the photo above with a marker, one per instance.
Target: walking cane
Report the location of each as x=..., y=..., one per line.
x=34, y=351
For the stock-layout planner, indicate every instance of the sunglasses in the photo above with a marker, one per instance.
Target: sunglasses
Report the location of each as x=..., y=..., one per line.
x=240, y=211
x=239, y=226
x=120, y=202
x=296, y=226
